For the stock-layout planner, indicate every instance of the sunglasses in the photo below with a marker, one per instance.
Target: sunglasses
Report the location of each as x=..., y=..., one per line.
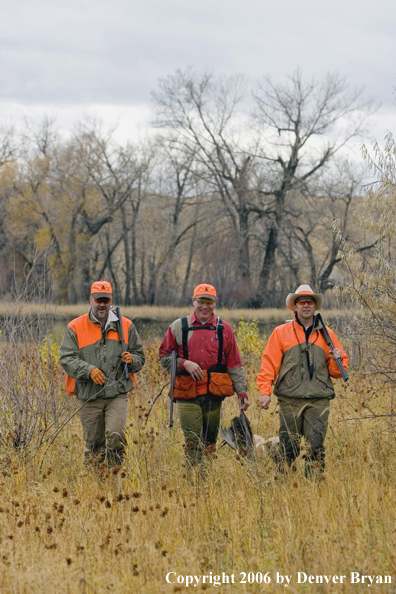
x=305, y=302
x=105, y=300
x=205, y=301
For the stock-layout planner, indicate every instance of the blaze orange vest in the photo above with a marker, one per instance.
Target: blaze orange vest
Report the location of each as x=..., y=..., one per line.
x=88, y=333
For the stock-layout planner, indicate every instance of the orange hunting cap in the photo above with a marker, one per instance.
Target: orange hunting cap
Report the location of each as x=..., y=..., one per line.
x=205, y=290
x=101, y=289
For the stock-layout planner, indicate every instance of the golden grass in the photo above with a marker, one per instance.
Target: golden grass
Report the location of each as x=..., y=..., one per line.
x=154, y=312
x=65, y=528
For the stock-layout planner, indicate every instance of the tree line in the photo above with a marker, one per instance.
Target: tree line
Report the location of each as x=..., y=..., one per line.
x=238, y=187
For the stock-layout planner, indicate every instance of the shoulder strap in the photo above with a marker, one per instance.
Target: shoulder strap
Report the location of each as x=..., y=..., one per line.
x=219, y=335
x=184, y=337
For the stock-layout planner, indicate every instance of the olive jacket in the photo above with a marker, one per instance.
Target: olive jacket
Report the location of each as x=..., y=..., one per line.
x=86, y=346
x=299, y=368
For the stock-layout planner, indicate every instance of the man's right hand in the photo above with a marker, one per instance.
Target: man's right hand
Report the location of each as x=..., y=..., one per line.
x=264, y=401
x=97, y=376
x=194, y=370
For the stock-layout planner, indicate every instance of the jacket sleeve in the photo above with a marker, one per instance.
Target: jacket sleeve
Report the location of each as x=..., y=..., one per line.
x=238, y=378
x=135, y=347
x=331, y=364
x=270, y=364
x=168, y=345
x=233, y=361
x=70, y=359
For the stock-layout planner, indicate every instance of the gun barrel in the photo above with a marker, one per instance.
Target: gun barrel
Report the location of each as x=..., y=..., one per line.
x=173, y=378
x=331, y=345
x=122, y=341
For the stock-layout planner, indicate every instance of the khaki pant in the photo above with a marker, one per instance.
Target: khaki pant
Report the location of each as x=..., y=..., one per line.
x=104, y=423
x=303, y=417
x=199, y=420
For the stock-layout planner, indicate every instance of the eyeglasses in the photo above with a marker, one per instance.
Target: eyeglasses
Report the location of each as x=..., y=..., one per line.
x=105, y=300
x=205, y=301
x=305, y=302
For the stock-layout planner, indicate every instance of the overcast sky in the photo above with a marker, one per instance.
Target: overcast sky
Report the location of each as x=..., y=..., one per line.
x=67, y=59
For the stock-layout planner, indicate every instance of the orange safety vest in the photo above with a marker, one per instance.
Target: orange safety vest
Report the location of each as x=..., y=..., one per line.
x=87, y=334
x=216, y=381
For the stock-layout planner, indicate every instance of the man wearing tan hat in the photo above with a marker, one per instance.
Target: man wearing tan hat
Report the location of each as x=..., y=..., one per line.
x=92, y=355
x=298, y=358
x=208, y=368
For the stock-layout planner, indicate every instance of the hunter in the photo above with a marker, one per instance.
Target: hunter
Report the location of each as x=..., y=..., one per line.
x=298, y=358
x=208, y=369
x=91, y=354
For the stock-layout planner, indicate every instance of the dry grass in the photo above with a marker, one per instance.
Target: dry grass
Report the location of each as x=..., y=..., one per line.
x=69, y=529
x=160, y=313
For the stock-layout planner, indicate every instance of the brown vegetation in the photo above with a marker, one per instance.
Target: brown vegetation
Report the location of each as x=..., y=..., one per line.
x=67, y=528
x=235, y=191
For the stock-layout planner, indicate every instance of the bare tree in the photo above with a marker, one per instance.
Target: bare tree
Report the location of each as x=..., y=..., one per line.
x=206, y=115
x=304, y=124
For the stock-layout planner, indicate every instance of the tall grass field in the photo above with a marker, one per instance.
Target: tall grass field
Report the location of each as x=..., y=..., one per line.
x=144, y=528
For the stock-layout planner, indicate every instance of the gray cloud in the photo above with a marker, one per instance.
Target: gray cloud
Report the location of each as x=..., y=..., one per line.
x=113, y=53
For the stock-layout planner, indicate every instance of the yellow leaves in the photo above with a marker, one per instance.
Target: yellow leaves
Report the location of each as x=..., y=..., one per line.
x=8, y=174
x=42, y=238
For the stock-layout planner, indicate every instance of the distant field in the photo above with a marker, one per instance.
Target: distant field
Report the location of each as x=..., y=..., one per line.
x=153, y=312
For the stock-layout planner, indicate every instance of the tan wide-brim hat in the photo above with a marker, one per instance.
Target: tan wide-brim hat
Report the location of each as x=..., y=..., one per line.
x=303, y=291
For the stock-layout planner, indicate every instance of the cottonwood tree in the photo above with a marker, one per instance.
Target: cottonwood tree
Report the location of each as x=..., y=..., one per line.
x=207, y=122
x=304, y=124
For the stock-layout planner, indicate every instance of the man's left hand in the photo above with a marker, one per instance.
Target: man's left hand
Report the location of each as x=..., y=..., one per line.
x=336, y=354
x=126, y=357
x=243, y=401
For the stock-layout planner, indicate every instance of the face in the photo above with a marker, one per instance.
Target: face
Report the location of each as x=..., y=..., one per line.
x=100, y=308
x=305, y=309
x=203, y=308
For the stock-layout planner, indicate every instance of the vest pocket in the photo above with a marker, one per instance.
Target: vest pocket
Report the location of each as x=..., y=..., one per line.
x=290, y=378
x=185, y=388
x=220, y=384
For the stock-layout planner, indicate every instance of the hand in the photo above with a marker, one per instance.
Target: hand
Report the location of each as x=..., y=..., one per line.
x=243, y=401
x=336, y=354
x=126, y=357
x=264, y=401
x=194, y=370
x=97, y=376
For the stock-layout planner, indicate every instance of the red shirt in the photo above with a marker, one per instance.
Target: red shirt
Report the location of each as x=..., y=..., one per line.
x=203, y=346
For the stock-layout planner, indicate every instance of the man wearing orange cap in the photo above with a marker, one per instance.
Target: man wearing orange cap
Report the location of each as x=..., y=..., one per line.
x=93, y=358
x=298, y=358
x=208, y=368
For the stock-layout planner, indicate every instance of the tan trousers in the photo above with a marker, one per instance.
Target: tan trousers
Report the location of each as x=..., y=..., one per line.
x=104, y=423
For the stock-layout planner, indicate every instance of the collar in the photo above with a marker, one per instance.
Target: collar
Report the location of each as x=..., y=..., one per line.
x=194, y=319
x=112, y=317
x=312, y=326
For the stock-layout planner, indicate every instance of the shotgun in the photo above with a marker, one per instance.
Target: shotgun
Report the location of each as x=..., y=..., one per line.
x=173, y=377
x=122, y=341
x=332, y=347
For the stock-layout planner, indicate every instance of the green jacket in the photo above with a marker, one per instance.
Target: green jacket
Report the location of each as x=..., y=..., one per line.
x=85, y=346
